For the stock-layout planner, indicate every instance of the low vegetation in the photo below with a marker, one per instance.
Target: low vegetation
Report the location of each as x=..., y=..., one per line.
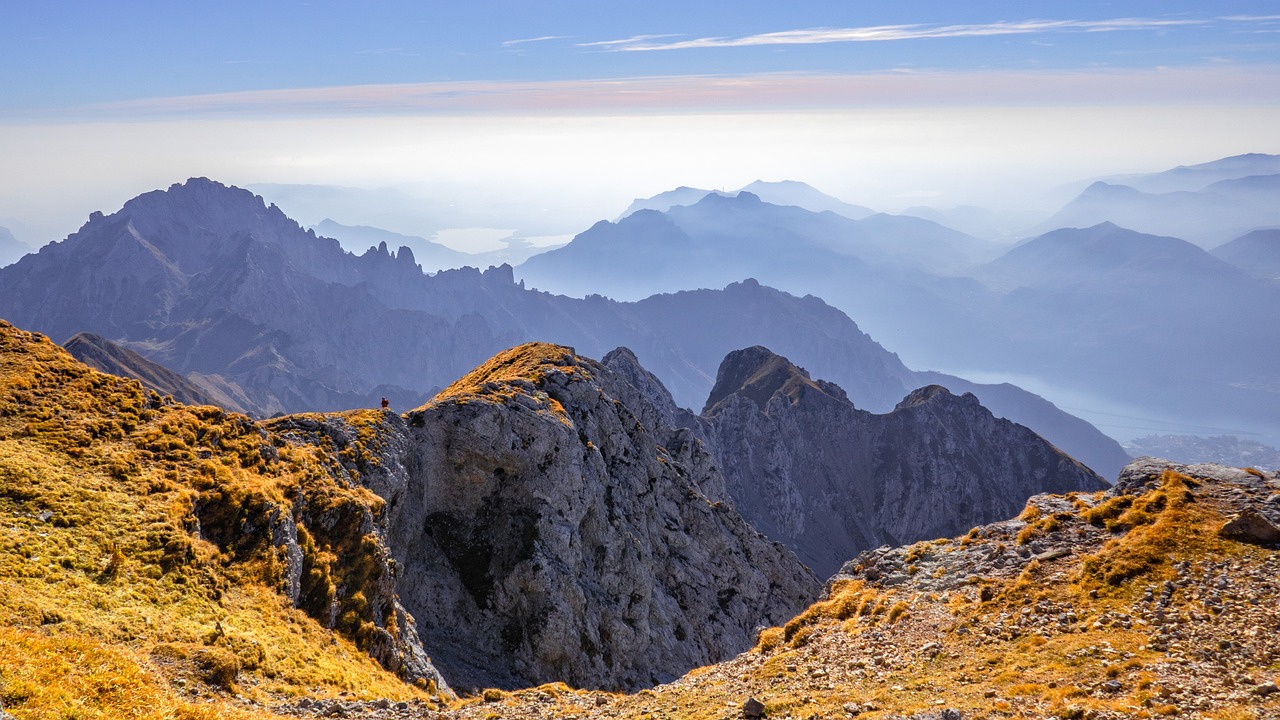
x=139, y=576
x=142, y=575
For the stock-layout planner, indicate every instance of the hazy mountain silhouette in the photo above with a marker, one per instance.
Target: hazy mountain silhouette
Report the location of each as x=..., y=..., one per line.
x=803, y=195
x=786, y=192
x=430, y=255
x=1198, y=177
x=214, y=284
x=1078, y=317
x=720, y=239
x=11, y=248
x=668, y=199
x=876, y=269
x=1257, y=253
x=969, y=219
x=1153, y=320
x=1207, y=217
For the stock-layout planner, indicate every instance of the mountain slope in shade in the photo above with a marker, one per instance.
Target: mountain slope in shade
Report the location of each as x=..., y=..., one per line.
x=1257, y=253
x=101, y=354
x=808, y=468
x=1074, y=436
x=1062, y=612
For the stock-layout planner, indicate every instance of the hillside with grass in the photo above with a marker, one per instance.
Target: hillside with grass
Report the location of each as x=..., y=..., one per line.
x=162, y=561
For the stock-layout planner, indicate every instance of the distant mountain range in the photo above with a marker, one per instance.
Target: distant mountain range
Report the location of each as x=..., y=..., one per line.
x=1208, y=217
x=1214, y=449
x=211, y=282
x=1076, y=311
x=1132, y=316
x=724, y=238
x=786, y=192
x=1191, y=178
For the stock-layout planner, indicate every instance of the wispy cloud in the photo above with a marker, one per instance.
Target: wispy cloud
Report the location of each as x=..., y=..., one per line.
x=620, y=44
x=523, y=41
x=1251, y=18
x=882, y=33
x=1206, y=85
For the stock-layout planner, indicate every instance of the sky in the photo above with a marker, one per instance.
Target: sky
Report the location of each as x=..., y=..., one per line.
x=559, y=113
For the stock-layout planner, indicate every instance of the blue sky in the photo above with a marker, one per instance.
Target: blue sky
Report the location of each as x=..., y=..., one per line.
x=581, y=106
x=59, y=55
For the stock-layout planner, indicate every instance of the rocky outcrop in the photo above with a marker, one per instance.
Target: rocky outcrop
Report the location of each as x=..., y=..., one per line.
x=547, y=535
x=808, y=468
x=323, y=543
x=544, y=532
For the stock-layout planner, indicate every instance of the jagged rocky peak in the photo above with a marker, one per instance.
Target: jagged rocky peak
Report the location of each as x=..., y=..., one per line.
x=810, y=469
x=548, y=534
x=194, y=226
x=758, y=374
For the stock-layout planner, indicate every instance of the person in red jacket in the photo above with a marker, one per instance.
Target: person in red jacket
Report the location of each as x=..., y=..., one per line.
x=385, y=403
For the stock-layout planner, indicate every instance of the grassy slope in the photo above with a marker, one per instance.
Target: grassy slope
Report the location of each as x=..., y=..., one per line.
x=110, y=603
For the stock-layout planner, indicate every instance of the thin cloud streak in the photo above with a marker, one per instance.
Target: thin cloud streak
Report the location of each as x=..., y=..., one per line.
x=882, y=33
x=523, y=41
x=774, y=92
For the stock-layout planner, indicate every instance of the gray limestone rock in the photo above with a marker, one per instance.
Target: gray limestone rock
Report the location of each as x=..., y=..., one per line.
x=546, y=534
x=1251, y=526
x=548, y=523
x=808, y=468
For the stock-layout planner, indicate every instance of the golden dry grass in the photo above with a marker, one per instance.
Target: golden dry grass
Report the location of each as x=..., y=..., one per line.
x=136, y=576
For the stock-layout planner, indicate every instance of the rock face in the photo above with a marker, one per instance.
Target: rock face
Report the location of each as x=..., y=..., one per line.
x=562, y=542
x=544, y=532
x=807, y=467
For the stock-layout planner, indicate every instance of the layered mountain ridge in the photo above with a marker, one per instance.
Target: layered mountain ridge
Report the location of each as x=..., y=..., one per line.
x=1072, y=312
x=253, y=308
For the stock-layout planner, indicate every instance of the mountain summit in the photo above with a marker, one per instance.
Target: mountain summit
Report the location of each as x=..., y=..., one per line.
x=808, y=468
